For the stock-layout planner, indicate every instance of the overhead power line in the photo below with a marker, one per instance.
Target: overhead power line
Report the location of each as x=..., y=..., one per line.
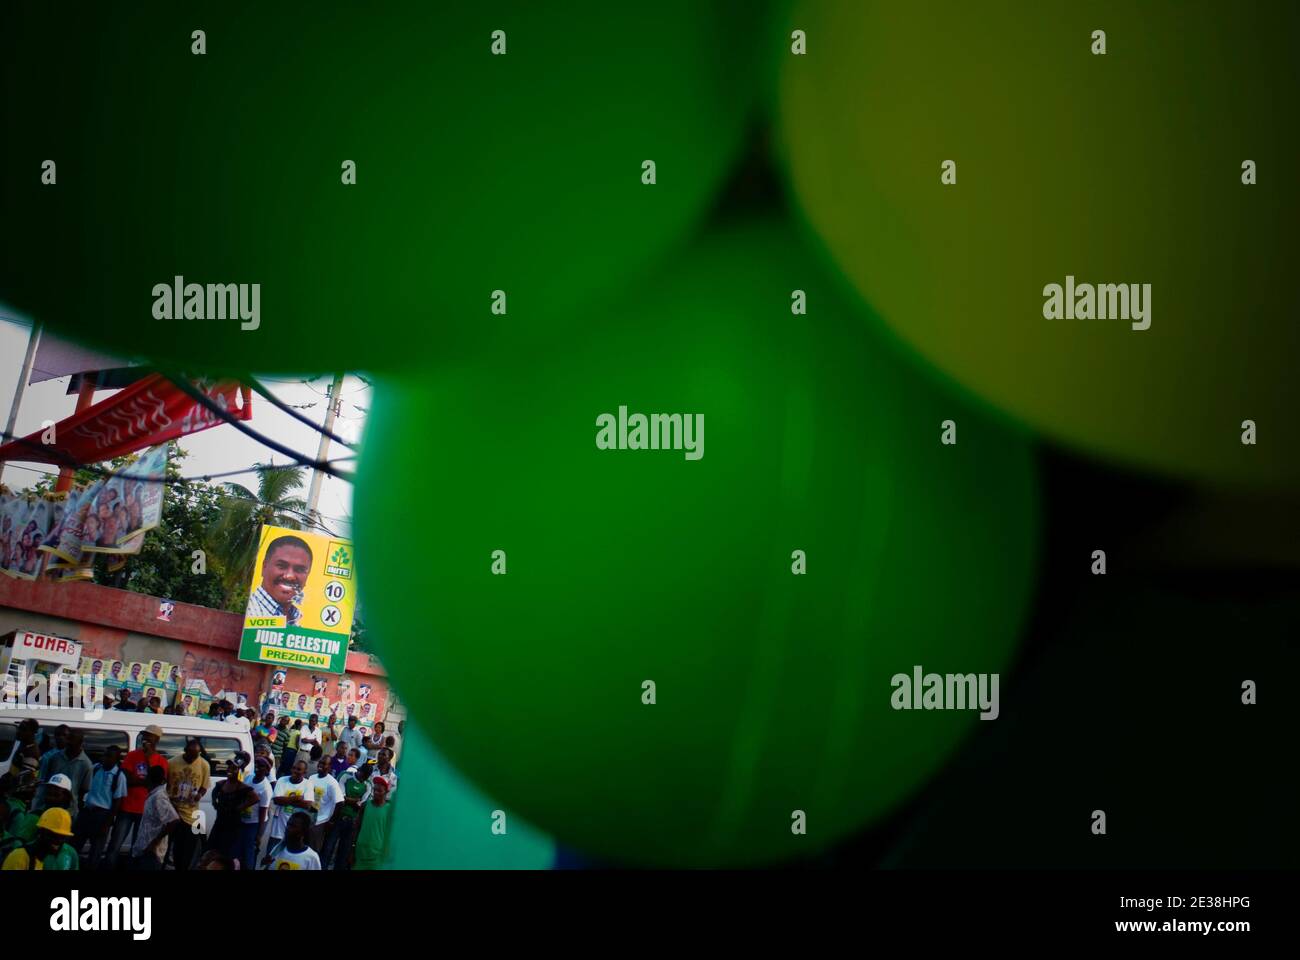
x=186, y=386
x=104, y=472
x=281, y=405
x=180, y=481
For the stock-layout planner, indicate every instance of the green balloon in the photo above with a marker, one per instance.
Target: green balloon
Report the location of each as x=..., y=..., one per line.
x=443, y=823
x=1119, y=168
x=621, y=567
x=474, y=171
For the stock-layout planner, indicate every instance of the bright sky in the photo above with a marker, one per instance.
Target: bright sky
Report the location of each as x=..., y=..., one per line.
x=215, y=450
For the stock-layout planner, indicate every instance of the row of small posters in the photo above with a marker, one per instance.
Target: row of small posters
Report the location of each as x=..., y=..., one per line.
x=293, y=704
x=145, y=679
x=157, y=678
x=60, y=533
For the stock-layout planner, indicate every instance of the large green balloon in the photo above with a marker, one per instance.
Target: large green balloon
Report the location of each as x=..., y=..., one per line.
x=1123, y=167
x=772, y=689
x=474, y=172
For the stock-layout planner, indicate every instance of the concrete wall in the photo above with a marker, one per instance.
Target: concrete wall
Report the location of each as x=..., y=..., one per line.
x=120, y=625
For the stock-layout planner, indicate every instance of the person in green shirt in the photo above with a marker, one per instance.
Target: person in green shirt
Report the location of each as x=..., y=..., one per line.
x=50, y=850
x=9, y=804
x=371, y=849
x=20, y=831
x=356, y=794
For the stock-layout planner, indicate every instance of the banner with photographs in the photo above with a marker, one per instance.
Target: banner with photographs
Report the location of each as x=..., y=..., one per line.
x=109, y=516
x=67, y=548
x=126, y=506
x=60, y=504
x=25, y=522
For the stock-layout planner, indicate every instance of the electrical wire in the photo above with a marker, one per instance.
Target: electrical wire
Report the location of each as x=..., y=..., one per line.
x=207, y=478
x=197, y=395
x=281, y=405
x=205, y=401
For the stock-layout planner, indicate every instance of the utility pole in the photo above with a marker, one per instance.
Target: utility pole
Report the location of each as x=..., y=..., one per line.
x=32, y=338
x=85, y=397
x=313, y=495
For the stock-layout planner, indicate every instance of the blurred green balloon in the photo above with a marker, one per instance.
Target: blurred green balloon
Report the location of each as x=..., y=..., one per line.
x=474, y=172
x=772, y=690
x=1124, y=168
x=443, y=823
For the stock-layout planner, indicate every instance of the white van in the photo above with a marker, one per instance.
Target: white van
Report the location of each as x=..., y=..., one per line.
x=221, y=739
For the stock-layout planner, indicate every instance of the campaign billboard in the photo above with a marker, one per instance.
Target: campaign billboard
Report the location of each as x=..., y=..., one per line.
x=300, y=601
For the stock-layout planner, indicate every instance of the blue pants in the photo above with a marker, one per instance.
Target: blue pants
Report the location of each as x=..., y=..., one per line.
x=92, y=825
x=124, y=830
x=248, y=836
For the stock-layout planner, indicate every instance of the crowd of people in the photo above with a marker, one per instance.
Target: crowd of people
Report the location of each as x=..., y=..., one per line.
x=311, y=796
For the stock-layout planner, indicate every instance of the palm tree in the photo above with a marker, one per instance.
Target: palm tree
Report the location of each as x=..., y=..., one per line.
x=234, y=538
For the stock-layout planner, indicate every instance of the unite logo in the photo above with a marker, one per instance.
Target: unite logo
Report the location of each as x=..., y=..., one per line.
x=77, y=914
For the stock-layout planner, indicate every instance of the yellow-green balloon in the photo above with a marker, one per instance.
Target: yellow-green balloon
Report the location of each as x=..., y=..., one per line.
x=663, y=655
x=1122, y=167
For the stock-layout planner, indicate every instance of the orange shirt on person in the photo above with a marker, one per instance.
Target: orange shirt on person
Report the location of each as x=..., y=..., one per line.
x=136, y=763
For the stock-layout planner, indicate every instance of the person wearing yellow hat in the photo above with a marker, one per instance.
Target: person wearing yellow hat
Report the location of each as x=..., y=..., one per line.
x=50, y=850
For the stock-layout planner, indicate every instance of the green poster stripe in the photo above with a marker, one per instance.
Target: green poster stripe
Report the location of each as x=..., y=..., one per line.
x=255, y=650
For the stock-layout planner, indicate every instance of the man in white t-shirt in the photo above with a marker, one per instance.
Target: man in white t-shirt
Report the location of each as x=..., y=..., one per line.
x=325, y=792
x=290, y=796
x=308, y=737
x=292, y=853
x=350, y=735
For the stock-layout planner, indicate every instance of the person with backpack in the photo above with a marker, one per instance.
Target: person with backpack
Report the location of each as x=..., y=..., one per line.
x=50, y=850
x=103, y=804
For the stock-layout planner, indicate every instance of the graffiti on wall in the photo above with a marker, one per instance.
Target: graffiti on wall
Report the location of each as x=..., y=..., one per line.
x=218, y=672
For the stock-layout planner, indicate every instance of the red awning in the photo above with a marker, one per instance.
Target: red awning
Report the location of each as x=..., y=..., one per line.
x=146, y=413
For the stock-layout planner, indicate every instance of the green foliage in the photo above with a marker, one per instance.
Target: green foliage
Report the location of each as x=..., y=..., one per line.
x=233, y=539
x=222, y=520
x=165, y=565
